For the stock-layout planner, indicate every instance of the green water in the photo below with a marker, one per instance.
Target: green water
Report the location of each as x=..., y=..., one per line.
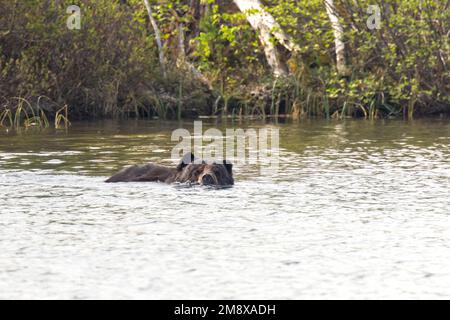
x=357, y=209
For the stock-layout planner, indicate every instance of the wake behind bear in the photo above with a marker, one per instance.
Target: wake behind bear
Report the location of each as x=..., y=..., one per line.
x=190, y=170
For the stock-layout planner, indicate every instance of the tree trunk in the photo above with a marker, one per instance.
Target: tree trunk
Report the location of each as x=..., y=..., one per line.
x=339, y=43
x=272, y=55
x=162, y=59
x=268, y=30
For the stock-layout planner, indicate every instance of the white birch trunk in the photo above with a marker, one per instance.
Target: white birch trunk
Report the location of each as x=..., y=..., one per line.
x=272, y=54
x=338, y=32
x=162, y=59
x=268, y=30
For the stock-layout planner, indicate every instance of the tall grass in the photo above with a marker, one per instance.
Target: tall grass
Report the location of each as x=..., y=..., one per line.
x=303, y=96
x=19, y=113
x=62, y=115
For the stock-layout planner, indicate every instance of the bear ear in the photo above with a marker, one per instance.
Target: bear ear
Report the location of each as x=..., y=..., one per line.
x=187, y=159
x=228, y=166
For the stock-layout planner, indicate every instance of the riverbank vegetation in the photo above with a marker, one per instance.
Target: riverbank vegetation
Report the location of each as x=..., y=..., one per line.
x=184, y=58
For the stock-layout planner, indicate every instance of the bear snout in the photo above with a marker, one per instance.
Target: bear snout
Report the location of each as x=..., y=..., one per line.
x=208, y=179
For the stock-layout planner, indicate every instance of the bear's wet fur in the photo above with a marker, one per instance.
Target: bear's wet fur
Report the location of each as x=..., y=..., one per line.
x=189, y=170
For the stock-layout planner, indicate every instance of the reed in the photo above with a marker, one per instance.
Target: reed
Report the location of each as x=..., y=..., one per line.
x=344, y=110
x=272, y=107
x=19, y=112
x=326, y=106
x=411, y=104
x=180, y=100
x=62, y=115
x=6, y=114
x=363, y=109
x=18, y=115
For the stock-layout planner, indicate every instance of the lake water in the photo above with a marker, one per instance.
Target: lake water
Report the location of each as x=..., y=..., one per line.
x=358, y=209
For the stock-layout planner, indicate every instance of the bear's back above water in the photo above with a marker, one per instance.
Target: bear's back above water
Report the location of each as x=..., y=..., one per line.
x=187, y=171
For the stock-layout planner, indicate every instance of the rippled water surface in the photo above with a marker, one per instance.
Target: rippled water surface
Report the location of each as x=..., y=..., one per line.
x=357, y=209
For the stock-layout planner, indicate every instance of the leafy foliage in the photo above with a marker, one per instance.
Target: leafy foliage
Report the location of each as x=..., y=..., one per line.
x=110, y=66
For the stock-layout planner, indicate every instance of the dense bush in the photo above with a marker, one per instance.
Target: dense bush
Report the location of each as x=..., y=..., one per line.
x=110, y=67
x=107, y=68
x=400, y=69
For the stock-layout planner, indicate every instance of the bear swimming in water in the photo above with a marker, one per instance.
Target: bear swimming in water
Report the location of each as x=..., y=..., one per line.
x=188, y=171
